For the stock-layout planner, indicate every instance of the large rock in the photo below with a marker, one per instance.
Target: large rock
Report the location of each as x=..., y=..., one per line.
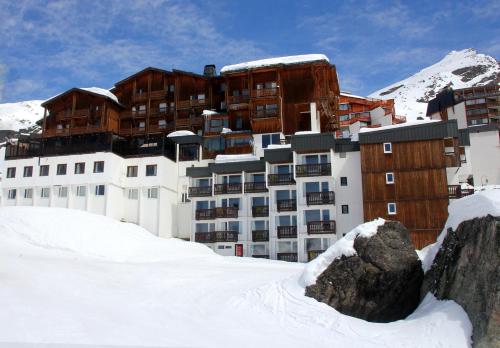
x=467, y=270
x=380, y=284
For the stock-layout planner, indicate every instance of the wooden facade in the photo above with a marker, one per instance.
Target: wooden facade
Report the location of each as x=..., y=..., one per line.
x=417, y=184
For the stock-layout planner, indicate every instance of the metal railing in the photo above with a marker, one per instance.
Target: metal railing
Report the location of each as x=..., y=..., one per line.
x=280, y=179
x=456, y=191
x=287, y=232
x=220, y=189
x=255, y=187
x=260, y=235
x=290, y=257
x=216, y=236
x=260, y=211
x=319, y=169
x=320, y=198
x=286, y=205
x=200, y=191
x=321, y=227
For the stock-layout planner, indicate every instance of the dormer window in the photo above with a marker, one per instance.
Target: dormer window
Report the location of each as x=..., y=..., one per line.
x=387, y=147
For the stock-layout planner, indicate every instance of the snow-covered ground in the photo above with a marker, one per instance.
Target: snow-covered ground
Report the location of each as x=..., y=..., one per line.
x=15, y=116
x=458, y=69
x=69, y=277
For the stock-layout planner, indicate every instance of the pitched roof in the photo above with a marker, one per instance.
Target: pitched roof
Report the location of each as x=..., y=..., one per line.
x=96, y=91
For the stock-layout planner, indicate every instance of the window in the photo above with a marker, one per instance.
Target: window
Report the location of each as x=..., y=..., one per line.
x=45, y=193
x=133, y=194
x=389, y=178
x=81, y=191
x=61, y=169
x=344, y=106
x=387, y=147
x=80, y=168
x=343, y=181
x=391, y=208
x=28, y=193
x=11, y=172
x=239, y=122
x=98, y=166
x=142, y=125
x=99, y=190
x=44, y=170
x=162, y=124
x=131, y=171
x=151, y=170
x=62, y=192
x=171, y=88
x=28, y=171
x=345, y=209
x=343, y=154
x=162, y=107
x=153, y=192
x=12, y=194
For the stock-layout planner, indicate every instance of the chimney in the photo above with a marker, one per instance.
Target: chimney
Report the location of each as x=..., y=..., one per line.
x=209, y=70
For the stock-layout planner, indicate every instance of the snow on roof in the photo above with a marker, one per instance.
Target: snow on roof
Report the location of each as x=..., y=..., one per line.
x=278, y=146
x=180, y=133
x=344, y=246
x=209, y=112
x=480, y=204
x=306, y=132
x=101, y=91
x=406, y=124
x=304, y=58
x=347, y=94
x=226, y=130
x=235, y=158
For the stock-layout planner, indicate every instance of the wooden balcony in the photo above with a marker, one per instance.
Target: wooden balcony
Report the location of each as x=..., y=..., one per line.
x=307, y=170
x=139, y=97
x=320, y=198
x=161, y=94
x=312, y=254
x=200, y=191
x=456, y=191
x=287, y=232
x=280, y=179
x=52, y=132
x=260, y=235
x=265, y=92
x=187, y=104
x=216, y=237
x=132, y=131
x=238, y=99
x=321, y=227
x=271, y=113
x=260, y=211
x=290, y=257
x=205, y=214
x=166, y=128
x=255, y=187
x=226, y=212
x=238, y=149
x=227, y=189
x=81, y=113
x=183, y=123
x=286, y=205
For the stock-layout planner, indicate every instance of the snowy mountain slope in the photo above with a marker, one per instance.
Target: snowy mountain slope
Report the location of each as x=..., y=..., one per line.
x=458, y=69
x=103, y=282
x=21, y=115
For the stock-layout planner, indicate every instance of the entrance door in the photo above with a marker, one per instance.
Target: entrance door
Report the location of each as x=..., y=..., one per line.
x=238, y=250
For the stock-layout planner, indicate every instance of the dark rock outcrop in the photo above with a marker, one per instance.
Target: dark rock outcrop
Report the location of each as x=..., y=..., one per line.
x=380, y=284
x=467, y=270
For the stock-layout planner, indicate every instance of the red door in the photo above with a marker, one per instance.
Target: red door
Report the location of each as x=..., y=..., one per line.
x=238, y=251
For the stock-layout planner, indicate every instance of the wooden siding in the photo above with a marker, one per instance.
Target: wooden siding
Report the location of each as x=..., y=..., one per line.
x=419, y=190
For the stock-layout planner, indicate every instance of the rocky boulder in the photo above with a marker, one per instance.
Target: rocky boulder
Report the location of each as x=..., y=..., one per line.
x=466, y=269
x=380, y=283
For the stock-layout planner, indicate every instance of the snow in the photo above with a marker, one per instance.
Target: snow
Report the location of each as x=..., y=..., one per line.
x=347, y=94
x=96, y=282
x=429, y=81
x=101, y=91
x=400, y=125
x=15, y=116
x=306, y=132
x=480, y=204
x=304, y=58
x=278, y=146
x=226, y=130
x=209, y=113
x=235, y=158
x=180, y=133
x=343, y=247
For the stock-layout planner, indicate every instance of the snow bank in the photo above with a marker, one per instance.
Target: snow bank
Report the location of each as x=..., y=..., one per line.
x=304, y=58
x=235, y=158
x=180, y=133
x=344, y=246
x=91, y=235
x=478, y=205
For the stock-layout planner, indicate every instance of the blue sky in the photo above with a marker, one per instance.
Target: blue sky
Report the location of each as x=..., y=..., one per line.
x=48, y=47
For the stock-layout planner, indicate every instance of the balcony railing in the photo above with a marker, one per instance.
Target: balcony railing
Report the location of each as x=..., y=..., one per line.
x=287, y=232
x=200, y=191
x=159, y=94
x=132, y=130
x=238, y=99
x=320, y=198
x=312, y=254
x=260, y=235
x=184, y=104
x=265, y=113
x=221, y=189
x=321, y=227
x=260, y=211
x=216, y=237
x=280, y=179
x=226, y=212
x=456, y=191
x=265, y=92
x=255, y=187
x=286, y=205
x=205, y=214
x=260, y=256
x=319, y=169
x=290, y=257
x=139, y=97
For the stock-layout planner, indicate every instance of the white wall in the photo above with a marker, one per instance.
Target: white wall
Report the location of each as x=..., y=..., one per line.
x=485, y=157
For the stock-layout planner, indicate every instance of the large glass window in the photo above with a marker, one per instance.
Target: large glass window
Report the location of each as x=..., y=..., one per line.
x=44, y=170
x=132, y=171
x=61, y=169
x=151, y=169
x=11, y=172
x=28, y=171
x=98, y=166
x=80, y=168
